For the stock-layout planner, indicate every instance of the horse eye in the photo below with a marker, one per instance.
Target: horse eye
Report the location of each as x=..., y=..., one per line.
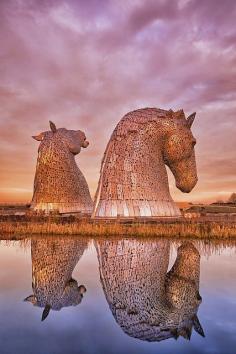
x=194, y=143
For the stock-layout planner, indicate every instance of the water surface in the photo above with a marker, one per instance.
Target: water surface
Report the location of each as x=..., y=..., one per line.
x=142, y=296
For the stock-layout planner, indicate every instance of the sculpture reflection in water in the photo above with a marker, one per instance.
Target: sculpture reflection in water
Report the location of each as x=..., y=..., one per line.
x=148, y=302
x=52, y=265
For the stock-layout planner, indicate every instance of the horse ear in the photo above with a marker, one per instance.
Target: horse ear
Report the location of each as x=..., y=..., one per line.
x=185, y=333
x=197, y=326
x=174, y=333
x=52, y=127
x=45, y=312
x=38, y=137
x=31, y=298
x=190, y=119
x=180, y=114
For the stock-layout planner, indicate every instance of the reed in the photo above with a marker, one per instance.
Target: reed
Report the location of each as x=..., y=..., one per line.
x=187, y=229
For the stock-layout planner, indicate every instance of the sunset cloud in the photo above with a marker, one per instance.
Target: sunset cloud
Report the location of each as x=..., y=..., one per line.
x=84, y=64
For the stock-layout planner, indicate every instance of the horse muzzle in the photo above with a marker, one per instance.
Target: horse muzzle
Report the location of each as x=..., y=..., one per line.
x=188, y=185
x=85, y=144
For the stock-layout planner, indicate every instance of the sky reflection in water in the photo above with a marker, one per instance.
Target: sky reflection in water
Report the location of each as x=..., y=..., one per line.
x=143, y=296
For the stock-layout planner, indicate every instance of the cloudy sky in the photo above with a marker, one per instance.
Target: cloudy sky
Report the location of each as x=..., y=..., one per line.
x=84, y=64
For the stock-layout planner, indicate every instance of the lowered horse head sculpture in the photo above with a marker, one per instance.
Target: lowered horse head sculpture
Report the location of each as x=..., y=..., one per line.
x=133, y=178
x=147, y=301
x=53, y=262
x=59, y=183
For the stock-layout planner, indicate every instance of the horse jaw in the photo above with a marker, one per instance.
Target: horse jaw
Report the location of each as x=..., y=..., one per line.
x=185, y=173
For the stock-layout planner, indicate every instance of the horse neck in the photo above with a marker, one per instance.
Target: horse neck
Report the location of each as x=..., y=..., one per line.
x=141, y=266
x=134, y=157
x=146, y=142
x=52, y=266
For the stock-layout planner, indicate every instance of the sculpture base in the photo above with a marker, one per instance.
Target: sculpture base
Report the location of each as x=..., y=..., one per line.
x=62, y=208
x=135, y=208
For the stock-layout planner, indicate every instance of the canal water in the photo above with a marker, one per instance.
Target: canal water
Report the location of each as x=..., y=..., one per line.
x=117, y=295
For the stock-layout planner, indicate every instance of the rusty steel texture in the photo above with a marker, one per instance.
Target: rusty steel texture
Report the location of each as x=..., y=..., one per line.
x=133, y=177
x=53, y=262
x=59, y=184
x=147, y=301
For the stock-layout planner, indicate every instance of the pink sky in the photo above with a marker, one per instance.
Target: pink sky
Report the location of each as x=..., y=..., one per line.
x=84, y=64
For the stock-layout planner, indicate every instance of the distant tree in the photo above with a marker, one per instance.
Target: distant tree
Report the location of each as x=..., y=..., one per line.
x=232, y=198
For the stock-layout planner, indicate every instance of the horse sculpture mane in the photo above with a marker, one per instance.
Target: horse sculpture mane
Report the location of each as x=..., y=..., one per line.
x=59, y=183
x=133, y=178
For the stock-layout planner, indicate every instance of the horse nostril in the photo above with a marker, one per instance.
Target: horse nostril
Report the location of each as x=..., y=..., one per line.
x=85, y=144
x=82, y=289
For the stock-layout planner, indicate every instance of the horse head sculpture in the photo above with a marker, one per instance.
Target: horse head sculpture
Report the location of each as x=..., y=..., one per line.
x=133, y=178
x=52, y=265
x=146, y=301
x=59, y=183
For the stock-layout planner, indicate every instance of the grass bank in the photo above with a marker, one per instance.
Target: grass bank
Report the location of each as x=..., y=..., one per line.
x=178, y=228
